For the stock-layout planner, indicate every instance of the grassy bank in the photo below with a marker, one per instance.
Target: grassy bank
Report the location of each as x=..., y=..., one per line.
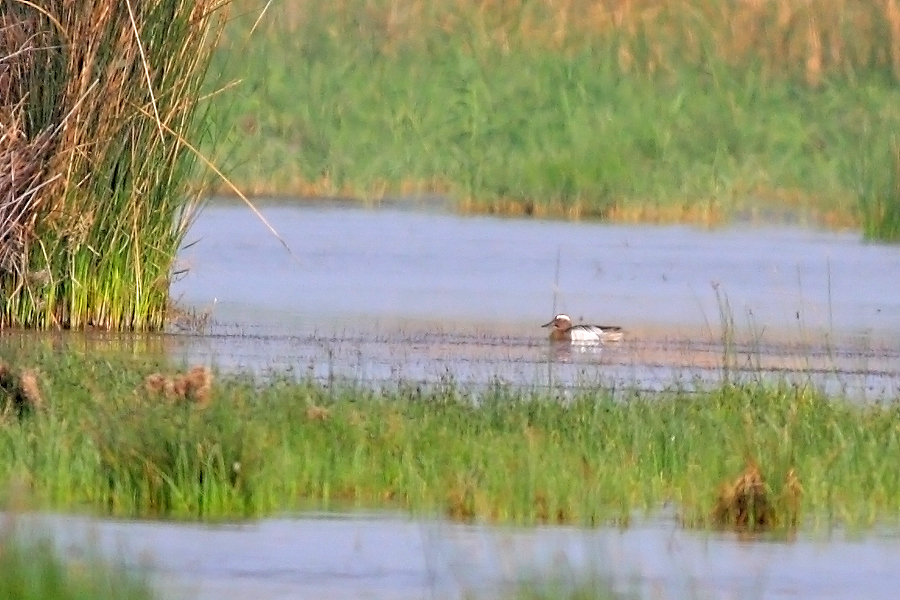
x=659, y=111
x=104, y=437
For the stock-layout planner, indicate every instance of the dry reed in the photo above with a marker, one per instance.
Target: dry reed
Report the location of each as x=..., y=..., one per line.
x=746, y=504
x=193, y=386
x=20, y=393
x=23, y=157
x=317, y=413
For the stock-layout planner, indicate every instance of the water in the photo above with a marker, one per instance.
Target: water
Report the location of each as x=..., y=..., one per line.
x=361, y=266
x=386, y=557
x=388, y=293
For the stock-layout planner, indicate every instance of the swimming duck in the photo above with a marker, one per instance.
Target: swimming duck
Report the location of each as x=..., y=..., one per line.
x=564, y=331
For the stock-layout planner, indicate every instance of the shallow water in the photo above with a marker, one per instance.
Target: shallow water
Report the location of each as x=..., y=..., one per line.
x=388, y=293
x=362, y=266
x=391, y=558
x=391, y=293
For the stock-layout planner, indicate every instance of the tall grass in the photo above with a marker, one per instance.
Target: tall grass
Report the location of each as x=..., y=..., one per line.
x=99, y=101
x=877, y=172
x=648, y=110
x=103, y=439
x=810, y=39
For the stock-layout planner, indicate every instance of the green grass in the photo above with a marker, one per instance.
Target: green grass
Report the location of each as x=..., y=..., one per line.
x=335, y=102
x=878, y=176
x=102, y=443
x=32, y=570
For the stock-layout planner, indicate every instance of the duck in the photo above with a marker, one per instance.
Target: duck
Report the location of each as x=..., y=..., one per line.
x=564, y=331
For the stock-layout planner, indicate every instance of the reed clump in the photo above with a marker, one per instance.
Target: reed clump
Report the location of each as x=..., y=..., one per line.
x=99, y=106
x=812, y=39
x=169, y=458
x=744, y=503
x=877, y=175
x=747, y=505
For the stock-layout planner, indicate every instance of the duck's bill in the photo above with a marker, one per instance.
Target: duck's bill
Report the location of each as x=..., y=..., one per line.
x=548, y=324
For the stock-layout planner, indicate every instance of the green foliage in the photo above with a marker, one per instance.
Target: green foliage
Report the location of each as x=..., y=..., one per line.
x=877, y=173
x=503, y=455
x=563, y=588
x=676, y=114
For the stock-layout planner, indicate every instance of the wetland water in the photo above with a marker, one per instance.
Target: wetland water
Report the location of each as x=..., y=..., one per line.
x=392, y=558
x=392, y=292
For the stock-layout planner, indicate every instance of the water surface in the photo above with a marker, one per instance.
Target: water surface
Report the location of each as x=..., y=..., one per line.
x=390, y=294
x=368, y=266
x=387, y=293
x=386, y=557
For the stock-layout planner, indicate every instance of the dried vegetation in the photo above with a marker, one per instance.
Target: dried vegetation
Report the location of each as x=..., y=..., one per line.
x=747, y=504
x=20, y=392
x=193, y=386
x=98, y=104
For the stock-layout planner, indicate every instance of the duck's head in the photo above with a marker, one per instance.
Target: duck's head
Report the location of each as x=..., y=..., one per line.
x=560, y=322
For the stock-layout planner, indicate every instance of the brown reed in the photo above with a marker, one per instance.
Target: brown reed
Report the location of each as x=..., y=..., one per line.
x=193, y=386
x=747, y=505
x=20, y=393
x=97, y=101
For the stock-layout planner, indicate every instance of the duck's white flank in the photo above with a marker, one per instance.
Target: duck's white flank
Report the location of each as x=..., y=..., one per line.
x=564, y=331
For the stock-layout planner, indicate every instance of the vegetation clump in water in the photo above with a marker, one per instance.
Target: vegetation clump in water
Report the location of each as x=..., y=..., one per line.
x=99, y=107
x=745, y=505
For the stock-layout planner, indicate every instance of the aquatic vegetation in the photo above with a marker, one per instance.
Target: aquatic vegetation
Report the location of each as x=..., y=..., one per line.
x=562, y=588
x=31, y=569
x=507, y=455
x=650, y=111
x=101, y=104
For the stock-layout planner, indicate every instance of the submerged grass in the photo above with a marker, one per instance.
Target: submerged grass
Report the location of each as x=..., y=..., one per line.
x=31, y=569
x=106, y=443
x=650, y=110
x=559, y=588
